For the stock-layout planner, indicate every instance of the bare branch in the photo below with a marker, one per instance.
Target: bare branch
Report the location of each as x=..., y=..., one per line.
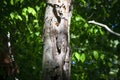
x=105, y=26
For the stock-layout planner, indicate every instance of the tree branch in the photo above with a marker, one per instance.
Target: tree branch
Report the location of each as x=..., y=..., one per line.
x=105, y=26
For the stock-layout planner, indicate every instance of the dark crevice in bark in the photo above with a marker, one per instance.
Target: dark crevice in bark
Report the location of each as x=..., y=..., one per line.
x=58, y=48
x=57, y=14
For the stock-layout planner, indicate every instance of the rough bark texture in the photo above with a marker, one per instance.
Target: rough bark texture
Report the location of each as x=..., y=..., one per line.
x=57, y=52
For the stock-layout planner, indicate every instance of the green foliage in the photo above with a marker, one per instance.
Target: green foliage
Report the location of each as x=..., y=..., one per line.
x=24, y=20
x=100, y=48
x=79, y=57
x=95, y=51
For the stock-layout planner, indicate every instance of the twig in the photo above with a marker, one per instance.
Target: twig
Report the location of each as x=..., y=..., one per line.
x=105, y=26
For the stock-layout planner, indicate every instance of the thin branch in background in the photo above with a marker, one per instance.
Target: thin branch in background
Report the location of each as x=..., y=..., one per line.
x=105, y=26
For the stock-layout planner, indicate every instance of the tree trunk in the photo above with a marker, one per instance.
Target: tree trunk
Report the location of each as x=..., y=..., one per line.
x=8, y=68
x=57, y=52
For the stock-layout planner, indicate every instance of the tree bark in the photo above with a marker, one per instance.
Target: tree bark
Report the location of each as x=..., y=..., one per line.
x=57, y=52
x=8, y=67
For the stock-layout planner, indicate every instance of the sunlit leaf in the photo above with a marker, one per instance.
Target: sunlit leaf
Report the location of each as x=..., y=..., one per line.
x=82, y=57
x=113, y=71
x=35, y=21
x=116, y=42
x=95, y=31
x=79, y=18
x=86, y=25
x=77, y=55
x=91, y=30
x=101, y=32
x=19, y=17
x=73, y=58
x=32, y=11
x=15, y=15
x=21, y=1
x=102, y=56
x=96, y=55
x=11, y=2
x=24, y=11
x=37, y=8
x=37, y=33
x=12, y=15
x=84, y=2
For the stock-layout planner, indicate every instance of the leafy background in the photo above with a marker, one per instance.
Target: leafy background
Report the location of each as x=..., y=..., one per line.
x=95, y=51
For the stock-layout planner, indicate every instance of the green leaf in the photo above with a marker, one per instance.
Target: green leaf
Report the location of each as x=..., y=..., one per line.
x=16, y=1
x=35, y=21
x=37, y=33
x=116, y=42
x=79, y=18
x=21, y=1
x=85, y=25
x=102, y=56
x=37, y=8
x=32, y=11
x=15, y=15
x=12, y=15
x=5, y=2
x=18, y=17
x=91, y=30
x=77, y=55
x=82, y=57
x=11, y=2
x=73, y=58
x=24, y=11
x=95, y=31
x=96, y=55
x=101, y=32
x=84, y=2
